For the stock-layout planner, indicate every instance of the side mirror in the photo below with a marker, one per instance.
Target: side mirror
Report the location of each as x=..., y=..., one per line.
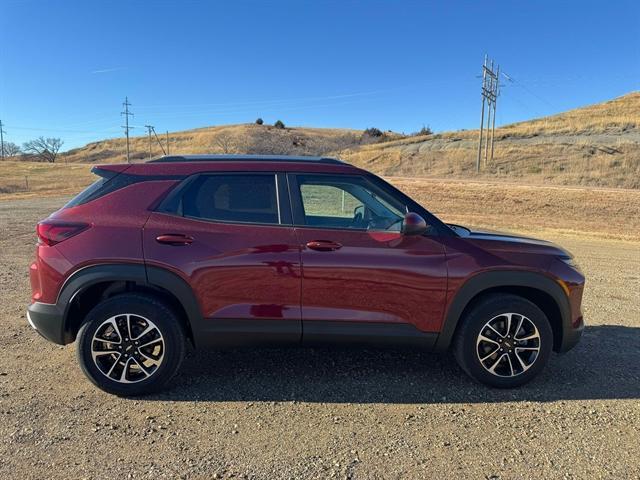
x=413, y=224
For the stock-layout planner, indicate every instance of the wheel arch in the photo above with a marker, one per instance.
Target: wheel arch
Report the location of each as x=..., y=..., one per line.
x=86, y=287
x=538, y=288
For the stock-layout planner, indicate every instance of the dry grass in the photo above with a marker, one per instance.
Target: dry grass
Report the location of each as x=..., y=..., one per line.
x=608, y=213
x=594, y=212
x=31, y=179
x=622, y=113
x=597, y=145
x=245, y=138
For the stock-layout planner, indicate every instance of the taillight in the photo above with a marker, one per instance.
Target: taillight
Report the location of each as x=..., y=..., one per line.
x=51, y=232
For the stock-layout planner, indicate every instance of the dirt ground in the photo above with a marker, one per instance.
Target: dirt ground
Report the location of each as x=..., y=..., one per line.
x=328, y=413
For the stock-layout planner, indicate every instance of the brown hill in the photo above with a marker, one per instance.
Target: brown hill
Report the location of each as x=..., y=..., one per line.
x=594, y=145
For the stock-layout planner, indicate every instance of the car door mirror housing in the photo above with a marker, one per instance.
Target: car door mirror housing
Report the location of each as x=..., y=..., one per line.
x=413, y=224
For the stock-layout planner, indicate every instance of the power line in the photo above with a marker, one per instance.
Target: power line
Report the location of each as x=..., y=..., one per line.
x=126, y=126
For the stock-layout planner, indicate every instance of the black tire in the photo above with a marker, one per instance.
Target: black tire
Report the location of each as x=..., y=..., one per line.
x=467, y=350
x=141, y=307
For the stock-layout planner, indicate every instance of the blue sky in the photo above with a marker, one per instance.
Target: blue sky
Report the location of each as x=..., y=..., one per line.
x=66, y=66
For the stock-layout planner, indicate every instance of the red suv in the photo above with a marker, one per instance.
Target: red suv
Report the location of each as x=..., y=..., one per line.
x=243, y=250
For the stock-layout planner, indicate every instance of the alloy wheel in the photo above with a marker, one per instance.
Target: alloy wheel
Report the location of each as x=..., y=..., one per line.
x=127, y=348
x=508, y=345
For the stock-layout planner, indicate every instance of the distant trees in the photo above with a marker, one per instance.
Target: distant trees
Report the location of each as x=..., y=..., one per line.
x=46, y=149
x=259, y=121
x=425, y=131
x=373, y=132
x=11, y=149
x=279, y=124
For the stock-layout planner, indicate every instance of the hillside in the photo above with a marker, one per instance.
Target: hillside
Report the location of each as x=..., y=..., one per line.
x=597, y=145
x=244, y=138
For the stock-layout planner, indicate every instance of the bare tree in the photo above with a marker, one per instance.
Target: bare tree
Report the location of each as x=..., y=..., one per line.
x=11, y=149
x=44, y=148
x=229, y=143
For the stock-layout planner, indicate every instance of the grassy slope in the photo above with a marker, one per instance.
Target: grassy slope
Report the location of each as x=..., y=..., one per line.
x=596, y=145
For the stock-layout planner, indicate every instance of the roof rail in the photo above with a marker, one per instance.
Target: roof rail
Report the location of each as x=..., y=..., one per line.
x=243, y=158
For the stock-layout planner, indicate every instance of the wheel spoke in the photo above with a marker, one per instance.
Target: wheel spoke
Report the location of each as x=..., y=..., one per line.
x=142, y=367
x=510, y=364
x=123, y=375
x=145, y=331
x=490, y=354
x=151, y=359
x=150, y=343
x=509, y=316
x=497, y=332
x=482, y=338
x=496, y=363
x=108, y=374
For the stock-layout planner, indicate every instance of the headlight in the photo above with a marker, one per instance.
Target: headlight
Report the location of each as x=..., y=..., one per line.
x=569, y=260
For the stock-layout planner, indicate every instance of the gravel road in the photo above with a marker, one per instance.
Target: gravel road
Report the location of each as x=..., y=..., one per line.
x=325, y=413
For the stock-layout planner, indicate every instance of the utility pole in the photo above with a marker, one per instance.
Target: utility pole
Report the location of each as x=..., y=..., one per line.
x=489, y=96
x=2, y=132
x=149, y=128
x=126, y=126
x=167, y=142
x=158, y=140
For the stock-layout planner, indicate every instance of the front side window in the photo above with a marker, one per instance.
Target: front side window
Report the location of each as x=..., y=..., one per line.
x=347, y=202
x=232, y=198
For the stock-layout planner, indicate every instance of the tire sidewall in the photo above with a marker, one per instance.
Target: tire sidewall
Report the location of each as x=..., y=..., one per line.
x=164, y=319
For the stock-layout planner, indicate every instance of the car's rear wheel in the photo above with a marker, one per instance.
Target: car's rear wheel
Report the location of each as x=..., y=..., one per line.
x=131, y=344
x=504, y=341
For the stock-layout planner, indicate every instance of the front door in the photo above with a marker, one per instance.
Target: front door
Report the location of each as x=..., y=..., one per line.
x=231, y=242
x=361, y=277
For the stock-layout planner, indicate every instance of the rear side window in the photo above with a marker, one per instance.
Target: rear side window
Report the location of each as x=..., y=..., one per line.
x=232, y=198
x=108, y=182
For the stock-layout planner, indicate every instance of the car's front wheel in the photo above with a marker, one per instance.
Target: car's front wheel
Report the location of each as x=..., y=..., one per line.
x=504, y=341
x=131, y=344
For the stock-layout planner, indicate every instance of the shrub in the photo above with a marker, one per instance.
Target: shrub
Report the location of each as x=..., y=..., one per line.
x=259, y=121
x=373, y=132
x=425, y=131
x=279, y=124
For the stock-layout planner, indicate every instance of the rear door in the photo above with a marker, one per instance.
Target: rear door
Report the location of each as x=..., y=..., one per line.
x=229, y=235
x=361, y=277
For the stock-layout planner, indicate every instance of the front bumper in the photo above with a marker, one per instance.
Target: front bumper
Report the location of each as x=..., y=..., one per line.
x=571, y=336
x=48, y=320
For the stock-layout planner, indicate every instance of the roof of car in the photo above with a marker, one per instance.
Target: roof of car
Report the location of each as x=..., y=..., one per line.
x=244, y=158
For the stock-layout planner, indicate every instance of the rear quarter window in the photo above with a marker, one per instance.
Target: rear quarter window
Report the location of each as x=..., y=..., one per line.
x=234, y=198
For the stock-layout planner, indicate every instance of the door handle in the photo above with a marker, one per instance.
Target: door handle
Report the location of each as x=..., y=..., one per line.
x=175, y=239
x=323, y=245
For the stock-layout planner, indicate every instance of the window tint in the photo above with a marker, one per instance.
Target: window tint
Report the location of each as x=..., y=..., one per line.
x=348, y=202
x=232, y=198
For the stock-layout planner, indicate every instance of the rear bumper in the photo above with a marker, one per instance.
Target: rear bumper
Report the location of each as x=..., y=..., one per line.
x=48, y=320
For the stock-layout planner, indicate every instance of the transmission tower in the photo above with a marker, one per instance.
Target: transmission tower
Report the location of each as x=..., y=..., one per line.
x=126, y=126
x=490, y=92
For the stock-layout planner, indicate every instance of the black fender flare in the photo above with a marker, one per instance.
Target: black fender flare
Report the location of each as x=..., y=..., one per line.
x=494, y=279
x=138, y=273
